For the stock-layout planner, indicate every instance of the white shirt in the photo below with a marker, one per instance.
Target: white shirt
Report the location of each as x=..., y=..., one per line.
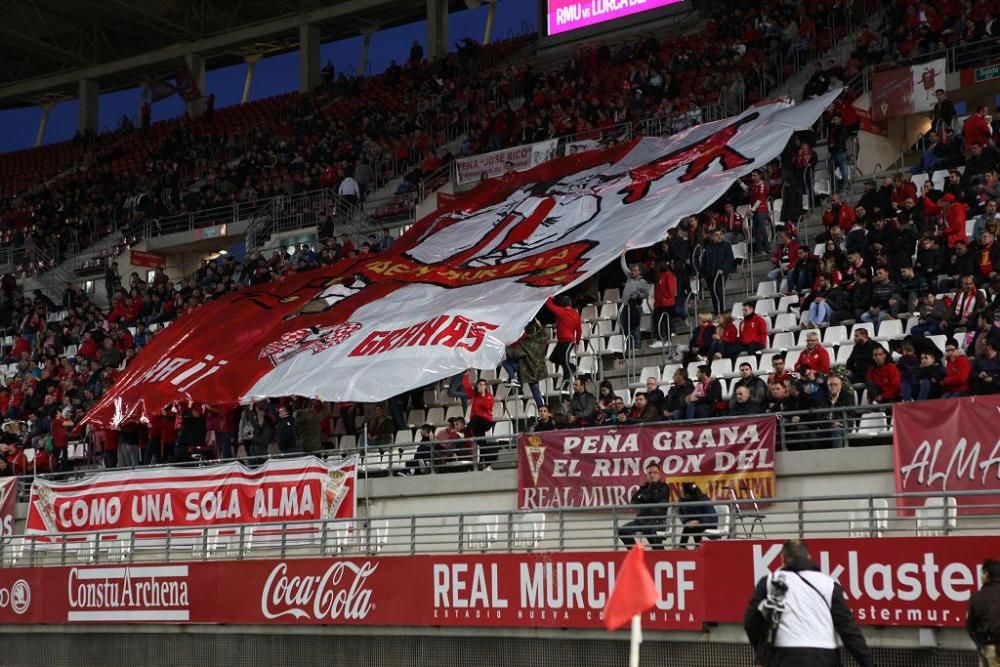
x=806, y=621
x=349, y=186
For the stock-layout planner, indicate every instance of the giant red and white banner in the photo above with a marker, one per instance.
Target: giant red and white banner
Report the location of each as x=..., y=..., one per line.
x=149, y=501
x=597, y=467
x=949, y=445
x=458, y=286
x=889, y=582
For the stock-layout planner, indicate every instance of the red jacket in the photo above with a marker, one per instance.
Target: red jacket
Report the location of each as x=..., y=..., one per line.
x=665, y=294
x=955, y=219
x=976, y=130
x=817, y=359
x=887, y=380
x=957, y=372
x=730, y=334
x=753, y=329
x=793, y=253
x=482, y=406
x=845, y=219
x=569, y=328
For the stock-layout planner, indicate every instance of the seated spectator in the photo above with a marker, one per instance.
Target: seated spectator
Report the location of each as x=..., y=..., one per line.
x=861, y=357
x=752, y=331
x=545, y=421
x=701, y=339
x=884, y=303
x=643, y=411
x=776, y=398
x=967, y=304
x=838, y=213
x=985, y=377
x=804, y=272
x=677, y=396
x=697, y=514
x=655, y=395
x=928, y=380
x=582, y=405
x=883, y=380
x=742, y=405
x=907, y=364
x=835, y=405
x=706, y=396
x=987, y=254
x=756, y=387
x=423, y=457
x=725, y=340
x=958, y=371
x=779, y=375
x=814, y=356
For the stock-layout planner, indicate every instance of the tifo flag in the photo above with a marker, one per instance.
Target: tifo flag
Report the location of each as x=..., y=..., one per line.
x=459, y=286
x=634, y=591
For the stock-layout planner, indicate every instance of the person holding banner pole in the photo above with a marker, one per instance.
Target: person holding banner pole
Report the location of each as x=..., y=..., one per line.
x=481, y=419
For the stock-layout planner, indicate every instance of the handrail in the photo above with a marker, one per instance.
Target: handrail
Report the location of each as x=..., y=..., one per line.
x=391, y=457
x=577, y=529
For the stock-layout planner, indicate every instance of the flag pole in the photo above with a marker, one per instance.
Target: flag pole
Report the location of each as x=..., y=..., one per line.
x=636, y=639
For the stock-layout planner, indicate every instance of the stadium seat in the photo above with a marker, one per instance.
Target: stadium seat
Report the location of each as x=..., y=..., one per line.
x=835, y=335
x=938, y=516
x=482, y=532
x=873, y=425
x=724, y=527
x=529, y=531
x=869, y=520
x=890, y=330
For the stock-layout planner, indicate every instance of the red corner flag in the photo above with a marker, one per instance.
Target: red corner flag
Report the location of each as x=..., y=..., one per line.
x=634, y=591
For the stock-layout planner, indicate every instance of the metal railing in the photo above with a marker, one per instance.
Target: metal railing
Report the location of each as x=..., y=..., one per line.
x=557, y=529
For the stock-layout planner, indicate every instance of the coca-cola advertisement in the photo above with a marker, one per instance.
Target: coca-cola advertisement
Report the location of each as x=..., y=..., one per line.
x=148, y=501
x=599, y=467
x=949, y=445
x=923, y=582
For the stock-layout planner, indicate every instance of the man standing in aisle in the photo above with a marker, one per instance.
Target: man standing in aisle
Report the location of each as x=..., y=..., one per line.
x=983, y=621
x=796, y=614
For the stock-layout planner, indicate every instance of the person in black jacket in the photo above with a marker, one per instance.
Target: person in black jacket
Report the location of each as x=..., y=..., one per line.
x=983, y=619
x=861, y=356
x=717, y=262
x=796, y=614
x=697, y=513
x=285, y=428
x=650, y=520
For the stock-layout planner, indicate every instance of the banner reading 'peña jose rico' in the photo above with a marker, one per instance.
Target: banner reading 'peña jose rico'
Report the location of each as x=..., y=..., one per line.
x=948, y=445
x=598, y=467
x=150, y=501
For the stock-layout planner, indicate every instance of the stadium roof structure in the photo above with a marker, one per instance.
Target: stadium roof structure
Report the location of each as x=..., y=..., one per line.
x=48, y=46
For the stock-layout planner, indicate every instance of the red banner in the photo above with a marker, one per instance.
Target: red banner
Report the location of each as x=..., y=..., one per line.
x=8, y=505
x=149, y=260
x=889, y=582
x=948, y=445
x=598, y=467
x=281, y=490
